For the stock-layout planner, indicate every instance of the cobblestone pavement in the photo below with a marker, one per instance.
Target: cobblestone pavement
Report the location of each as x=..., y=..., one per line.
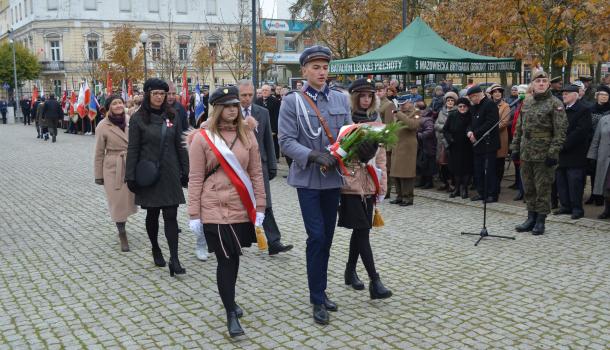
x=64, y=283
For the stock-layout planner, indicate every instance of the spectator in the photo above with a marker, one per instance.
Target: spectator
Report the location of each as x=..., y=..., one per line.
x=272, y=104
x=3, y=110
x=599, y=152
x=52, y=113
x=496, y=92
x=459, y=147
x=426, y=162
x=441, y=143
x=438, y=99
x=598, y=111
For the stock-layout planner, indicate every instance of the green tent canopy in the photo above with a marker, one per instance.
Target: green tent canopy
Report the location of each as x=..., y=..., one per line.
x=419, y=50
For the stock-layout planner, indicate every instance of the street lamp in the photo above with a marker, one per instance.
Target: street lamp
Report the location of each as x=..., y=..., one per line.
x=15, y=92
x=144, y=40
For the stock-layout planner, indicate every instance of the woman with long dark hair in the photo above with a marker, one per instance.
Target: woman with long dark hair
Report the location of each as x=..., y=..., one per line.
x=155, y=134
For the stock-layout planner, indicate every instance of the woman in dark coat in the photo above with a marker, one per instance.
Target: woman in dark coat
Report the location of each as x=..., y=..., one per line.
x=145, y=128
x=459, y=148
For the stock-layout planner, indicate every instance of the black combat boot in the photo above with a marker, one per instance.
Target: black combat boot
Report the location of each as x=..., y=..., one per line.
x=377, y=289
x=539, y=227
x=351, y=278
x=529, y=224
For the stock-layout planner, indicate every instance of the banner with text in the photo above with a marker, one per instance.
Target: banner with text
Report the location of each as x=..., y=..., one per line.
x=415, y=65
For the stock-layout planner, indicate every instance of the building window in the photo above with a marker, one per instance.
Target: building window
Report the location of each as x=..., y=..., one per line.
x=183, y=49
x=211, y=7
x=25, y=8
x=20, y=12
x=31, y=8
x=92, y=50
x=55, y=50
x=125, y=5
x=90, y=5
x=52, y=5
x=155, y=50
x=153, y=6
x=289, y=44
x=181, y=6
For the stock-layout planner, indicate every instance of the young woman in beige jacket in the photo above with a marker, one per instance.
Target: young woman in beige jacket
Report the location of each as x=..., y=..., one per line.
x=216, y=204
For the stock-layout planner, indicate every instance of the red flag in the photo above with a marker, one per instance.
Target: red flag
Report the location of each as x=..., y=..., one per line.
x=34, y=96
x=185, y=89
x=129, y=89
x=108, y=84
x=73, y=98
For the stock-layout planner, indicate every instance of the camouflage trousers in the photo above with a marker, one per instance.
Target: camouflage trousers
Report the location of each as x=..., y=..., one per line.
x=537, y=183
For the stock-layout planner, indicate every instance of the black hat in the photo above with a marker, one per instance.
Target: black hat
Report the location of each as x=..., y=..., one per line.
x=111, y=98
x=226, y=95
x=571, y=88
x=585, y=78
x=412, y=87
x=155, y=84
x=473, y=90
x=463, y=100
x=556, y=79
x=362, y=85
x=604, y=88
x=316, y=52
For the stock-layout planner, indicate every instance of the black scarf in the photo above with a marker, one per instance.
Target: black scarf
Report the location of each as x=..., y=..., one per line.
x=601, y=109
x=360, y=116
x=118, y=120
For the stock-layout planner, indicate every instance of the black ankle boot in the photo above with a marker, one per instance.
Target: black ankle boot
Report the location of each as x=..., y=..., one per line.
x=351, y=278
x=233, y=325
x=539, y=227
x=377, y=289
x=174, y=267
x=529, y=224
x=606, y=213
x=455, y=193
x=464, y=191
x=158, y=257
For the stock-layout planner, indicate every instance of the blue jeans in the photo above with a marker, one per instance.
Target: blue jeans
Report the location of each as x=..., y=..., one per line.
x=319, y=210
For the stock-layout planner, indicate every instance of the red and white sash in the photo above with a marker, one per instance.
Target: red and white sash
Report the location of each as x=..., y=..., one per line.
x=237, y=175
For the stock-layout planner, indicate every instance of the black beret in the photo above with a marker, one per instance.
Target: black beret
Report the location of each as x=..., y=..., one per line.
x=463, y=101
x=316, y=52
x=571, y=88
x=604, y=88
x=556, y=79
x=473, y=90
x=362, y=85
x=111, y=98
x=585, y=78
x=226, y=95
x=155, y=84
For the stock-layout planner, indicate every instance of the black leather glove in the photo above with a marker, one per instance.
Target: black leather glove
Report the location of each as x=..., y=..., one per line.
x=550, y=161
x=514, y=156
x=272, y=174
x=99, y=181
x=184, y=181
x=322, y=158
x=133, y=187
x=366, y=151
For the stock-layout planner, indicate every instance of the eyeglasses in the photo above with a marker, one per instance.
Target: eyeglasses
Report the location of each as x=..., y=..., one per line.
x=158, y=93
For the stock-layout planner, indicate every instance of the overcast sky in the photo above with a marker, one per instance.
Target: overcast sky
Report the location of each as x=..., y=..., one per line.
x=276, y=8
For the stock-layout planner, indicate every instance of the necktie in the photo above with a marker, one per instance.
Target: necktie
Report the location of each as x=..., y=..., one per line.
x=246, y=112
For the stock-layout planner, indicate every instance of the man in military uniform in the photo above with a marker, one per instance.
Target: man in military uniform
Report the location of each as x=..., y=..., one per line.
x=556, y=86
x=303, y=137
x=540, y=135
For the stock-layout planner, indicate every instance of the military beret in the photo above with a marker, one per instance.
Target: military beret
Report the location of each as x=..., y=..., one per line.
x=225, y=95
x=571, y=88
x=362, y=85
x=474, y=90
x=316, y=52
x=155, y=84
x=556, y=79
x=539, y=74
x=585, y=78
x=604, y=88
x=406, y=98
x=111, y=98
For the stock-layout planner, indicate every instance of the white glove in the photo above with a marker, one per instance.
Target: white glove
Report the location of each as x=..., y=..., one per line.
x=260, y=217
x=380, y=198
x=196, y=226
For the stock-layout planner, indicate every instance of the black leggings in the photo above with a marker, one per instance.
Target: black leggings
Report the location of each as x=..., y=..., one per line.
x=170, y=224
x=359, y=245
x=226, y=278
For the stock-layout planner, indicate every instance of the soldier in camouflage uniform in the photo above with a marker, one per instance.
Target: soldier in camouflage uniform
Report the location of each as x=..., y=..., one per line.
x=539, y=136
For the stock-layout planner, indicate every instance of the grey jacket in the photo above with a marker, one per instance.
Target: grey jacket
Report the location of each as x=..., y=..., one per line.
x=264, y=137
x=301, y=133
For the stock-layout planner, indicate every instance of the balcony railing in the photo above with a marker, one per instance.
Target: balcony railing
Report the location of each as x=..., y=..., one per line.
x=52, y=66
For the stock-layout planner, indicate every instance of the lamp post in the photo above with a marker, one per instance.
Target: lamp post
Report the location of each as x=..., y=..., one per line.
x=254, y=72
x=144, y=40
x=15, y=92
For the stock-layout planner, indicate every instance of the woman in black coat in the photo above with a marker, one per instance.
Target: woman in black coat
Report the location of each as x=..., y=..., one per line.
x=145, y=128
x=459, y=150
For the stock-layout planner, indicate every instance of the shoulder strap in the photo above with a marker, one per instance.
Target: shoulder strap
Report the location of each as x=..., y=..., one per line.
x=321, y=119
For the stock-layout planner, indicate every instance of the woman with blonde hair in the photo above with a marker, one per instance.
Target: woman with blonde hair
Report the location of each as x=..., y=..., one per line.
x=226, y=194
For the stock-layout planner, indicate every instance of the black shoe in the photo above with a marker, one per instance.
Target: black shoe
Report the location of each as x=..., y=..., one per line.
x=65, y=132
x=238, y=311
x=518, y=197
x=464, y=192
x=444, y=187
x=158, y=258
x=427, y=186
x=599, y=201
x=38, y=136
x=377, y=289
x=577, y=215
x=562, y=211
x=320, y=314
x=529, y=224
x=279, y=248
x=233, y=325
x=351, y=278
x=175, y=268
x=513, y=186
x=491, y=199
x=554, y=205
x=606, y=213
x=476, y=198
x=539, y=227
x=455, y=193
x=396, y=201
x=405, y=204
x=591, y=200
x=419, y=184
x=330, y=305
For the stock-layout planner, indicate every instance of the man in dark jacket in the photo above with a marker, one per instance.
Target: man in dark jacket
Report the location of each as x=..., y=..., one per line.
x=52, y=113
x=273, y=106
x=3, y=110
x=33, y=112
x=573, y=156
x=485, y=117
x=25, y=104
x=173, y=102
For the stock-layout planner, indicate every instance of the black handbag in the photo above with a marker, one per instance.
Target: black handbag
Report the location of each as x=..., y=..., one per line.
x=148, y=172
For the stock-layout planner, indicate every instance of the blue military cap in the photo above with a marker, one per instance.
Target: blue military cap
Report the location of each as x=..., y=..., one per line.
x=406, y=98
x=225, y=95
x=316, y=52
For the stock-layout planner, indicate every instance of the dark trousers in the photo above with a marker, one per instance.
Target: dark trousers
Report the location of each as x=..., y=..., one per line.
x=26, y=118
x=170, y=224
x=319, y=211
x=499, y=174
x=388, y=164
x=52, y=125
x=3, y=117
x=272, y=232
x=479, y=174
x=570, y=188
x=276, y=145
